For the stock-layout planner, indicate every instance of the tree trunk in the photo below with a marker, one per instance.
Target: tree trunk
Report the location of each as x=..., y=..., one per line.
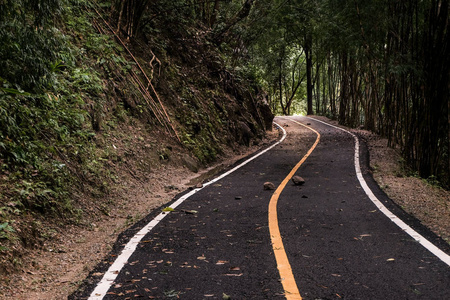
x=309, y=85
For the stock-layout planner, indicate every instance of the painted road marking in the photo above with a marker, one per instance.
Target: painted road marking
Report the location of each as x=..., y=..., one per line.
x=111, y=274
x=284, y=267
x=415, y=235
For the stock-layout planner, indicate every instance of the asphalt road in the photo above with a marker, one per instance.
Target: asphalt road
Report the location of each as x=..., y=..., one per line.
x=217, y=243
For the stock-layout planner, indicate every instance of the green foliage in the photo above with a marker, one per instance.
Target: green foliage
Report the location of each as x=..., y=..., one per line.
x=5, y=230
x=381, y=64
x=34, y=131
x=43, y=114
x=29, y=43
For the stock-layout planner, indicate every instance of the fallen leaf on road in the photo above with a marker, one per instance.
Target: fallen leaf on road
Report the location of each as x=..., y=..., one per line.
x=134, y=262
x=235, y=269
x=168, y=209
x=234, y=275
x=225, y=296
x=201, y=258
x=390, y=259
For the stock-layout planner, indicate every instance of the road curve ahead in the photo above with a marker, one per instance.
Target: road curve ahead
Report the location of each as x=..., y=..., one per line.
x=338, y=245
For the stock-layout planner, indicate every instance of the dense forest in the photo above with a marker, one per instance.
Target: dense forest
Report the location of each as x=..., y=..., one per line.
x=204, y=73
x=383, y=65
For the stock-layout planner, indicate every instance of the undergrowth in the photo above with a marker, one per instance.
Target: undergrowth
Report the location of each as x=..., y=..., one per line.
x=66, y=84
x=51, y=97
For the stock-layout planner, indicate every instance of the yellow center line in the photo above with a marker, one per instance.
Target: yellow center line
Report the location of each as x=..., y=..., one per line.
x=284, y=267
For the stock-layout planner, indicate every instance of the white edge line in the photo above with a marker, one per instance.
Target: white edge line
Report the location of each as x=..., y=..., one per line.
x=414, y=234
x=111, y=274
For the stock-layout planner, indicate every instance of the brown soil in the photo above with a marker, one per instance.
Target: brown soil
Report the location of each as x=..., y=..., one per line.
x=57, y=269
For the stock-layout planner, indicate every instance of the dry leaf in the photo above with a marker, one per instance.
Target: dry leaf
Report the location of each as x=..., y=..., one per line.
x=390, y=259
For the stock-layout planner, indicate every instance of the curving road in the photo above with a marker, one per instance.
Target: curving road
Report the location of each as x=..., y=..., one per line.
x=326, y=238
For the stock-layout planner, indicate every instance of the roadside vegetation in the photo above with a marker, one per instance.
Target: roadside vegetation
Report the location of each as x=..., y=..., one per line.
x=75, y=76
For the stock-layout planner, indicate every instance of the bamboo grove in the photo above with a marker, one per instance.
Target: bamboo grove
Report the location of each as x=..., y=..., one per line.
x=393, y=78
x=382, y=65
